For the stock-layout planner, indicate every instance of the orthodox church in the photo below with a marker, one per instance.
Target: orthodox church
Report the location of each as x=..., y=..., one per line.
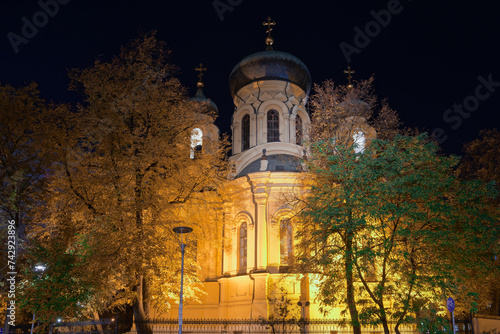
x=270, y=90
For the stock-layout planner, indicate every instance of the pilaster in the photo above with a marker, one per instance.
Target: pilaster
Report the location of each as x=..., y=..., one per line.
x=251, y=235
x=260, y=198
x=253, y=130
x=236, y=137
x=261, y=128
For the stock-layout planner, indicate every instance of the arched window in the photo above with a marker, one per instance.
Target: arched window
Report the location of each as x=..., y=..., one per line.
x=242, y=246
x=286, y=242
x=359, y=141
x=273, y=126
x=245, y=132
x=196, y=142
x=298, y=130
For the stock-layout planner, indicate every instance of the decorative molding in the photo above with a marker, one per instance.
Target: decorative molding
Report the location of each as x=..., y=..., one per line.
x=256, y=104
x=293, y=100
x=251, y=99
x=280, y=97
x=244, y=217
x=266, y=96
x=275, y=224
x=261, y=198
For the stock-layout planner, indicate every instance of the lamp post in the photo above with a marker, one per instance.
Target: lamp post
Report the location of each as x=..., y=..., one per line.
x=41, y=268
x=180, y=231
x=303, y=314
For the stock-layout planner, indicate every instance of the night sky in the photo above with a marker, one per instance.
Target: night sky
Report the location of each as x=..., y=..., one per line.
x=430, y=56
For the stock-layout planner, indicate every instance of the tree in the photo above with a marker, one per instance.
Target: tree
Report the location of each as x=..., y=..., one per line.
x=52, y=285
x=481, y=157
x=342, y=117
x=125, y=176
x=25, y=159
x=481, y=161
x=380, y=224
x=285, y=315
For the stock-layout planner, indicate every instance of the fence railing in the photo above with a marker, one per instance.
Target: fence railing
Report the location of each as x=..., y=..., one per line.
x=263, y=326
x=238, y=326
x=105, y=326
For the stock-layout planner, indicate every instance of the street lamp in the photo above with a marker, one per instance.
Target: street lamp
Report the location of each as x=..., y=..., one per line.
x=181, y=231
x=303, y=314
x=38, y=268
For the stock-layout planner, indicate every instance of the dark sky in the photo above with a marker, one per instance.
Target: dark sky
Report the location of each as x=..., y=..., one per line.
x=429, y=57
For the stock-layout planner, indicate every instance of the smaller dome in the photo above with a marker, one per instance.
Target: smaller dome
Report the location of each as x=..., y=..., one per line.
x=201, y=98
x=354, y=107
x=270, y=65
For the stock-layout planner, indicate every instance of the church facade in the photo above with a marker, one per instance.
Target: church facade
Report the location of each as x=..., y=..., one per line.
x=270, y=90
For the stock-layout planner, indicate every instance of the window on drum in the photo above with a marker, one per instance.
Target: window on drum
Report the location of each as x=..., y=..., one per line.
x=273, y=126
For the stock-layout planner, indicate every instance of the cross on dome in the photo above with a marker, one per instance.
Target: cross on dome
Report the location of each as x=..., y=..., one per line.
x=200, y=69
x=349, y=73
x=269, y=39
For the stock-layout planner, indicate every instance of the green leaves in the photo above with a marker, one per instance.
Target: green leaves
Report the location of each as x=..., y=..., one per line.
x=63, y=288
x=400, y=220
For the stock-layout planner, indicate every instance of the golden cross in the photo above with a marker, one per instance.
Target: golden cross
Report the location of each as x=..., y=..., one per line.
x=200, y=69
x=349, y=73
x=269, y=23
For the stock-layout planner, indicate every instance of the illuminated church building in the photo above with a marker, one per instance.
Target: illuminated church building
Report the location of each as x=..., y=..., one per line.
x=270, y=91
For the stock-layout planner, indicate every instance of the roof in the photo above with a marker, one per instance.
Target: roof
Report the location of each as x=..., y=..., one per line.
x=270, y=65
x=276, y=163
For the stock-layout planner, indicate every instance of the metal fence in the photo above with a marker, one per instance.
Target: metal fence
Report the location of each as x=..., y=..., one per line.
x=105, y=326
x=204, y=326
x=238, y=326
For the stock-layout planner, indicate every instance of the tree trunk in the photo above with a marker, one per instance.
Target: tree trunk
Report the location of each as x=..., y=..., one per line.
x=146, y=295
x=396, y=328
x=6, y=323
x=96, y=318
x=410, y=290
x=140, y=317
x=349, y=270
x=383, y=315
x=385, y=325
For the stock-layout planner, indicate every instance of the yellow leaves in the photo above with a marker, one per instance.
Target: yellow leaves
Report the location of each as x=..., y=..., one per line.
x=121, y=176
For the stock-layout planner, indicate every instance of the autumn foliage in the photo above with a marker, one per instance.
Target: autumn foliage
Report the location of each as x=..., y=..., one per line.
x=388, y=228
x=120, y=180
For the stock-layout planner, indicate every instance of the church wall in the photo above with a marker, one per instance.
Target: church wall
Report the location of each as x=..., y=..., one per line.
x=243, y=294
